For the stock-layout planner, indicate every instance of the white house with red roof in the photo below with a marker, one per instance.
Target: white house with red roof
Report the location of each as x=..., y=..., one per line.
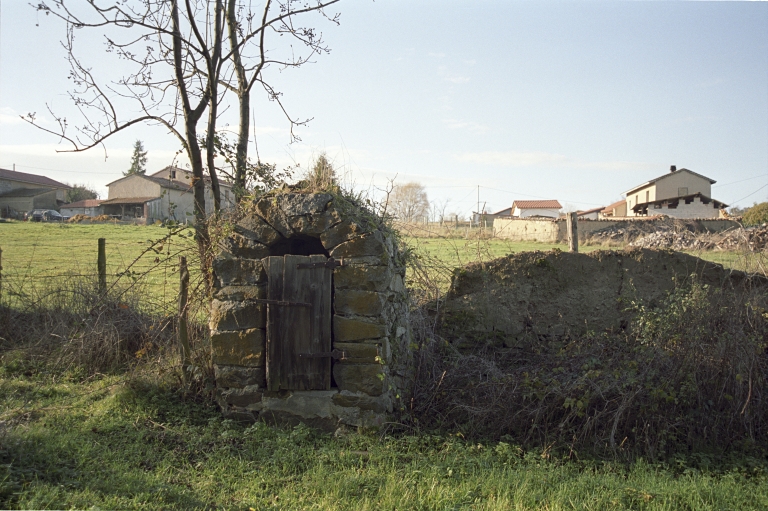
x=87, y=207
x=536, y=208
x=681, y=193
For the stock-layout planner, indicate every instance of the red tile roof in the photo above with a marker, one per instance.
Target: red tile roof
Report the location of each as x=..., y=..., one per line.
x=23, y=177
x=87, y=203
x=536, y=204
x=611, y=207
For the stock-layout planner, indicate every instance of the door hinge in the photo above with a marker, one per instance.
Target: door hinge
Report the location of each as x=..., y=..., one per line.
x=335, y=354
x=330, y=263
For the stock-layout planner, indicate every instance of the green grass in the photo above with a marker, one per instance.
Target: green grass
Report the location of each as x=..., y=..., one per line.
x=114, y=443
x=35, y=254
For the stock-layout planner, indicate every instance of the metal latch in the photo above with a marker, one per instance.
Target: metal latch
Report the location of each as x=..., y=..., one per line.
x=330, y=263
x=279, y=302
x=335, y=354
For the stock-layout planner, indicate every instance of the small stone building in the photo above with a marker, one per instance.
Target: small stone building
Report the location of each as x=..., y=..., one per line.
x=309, y=318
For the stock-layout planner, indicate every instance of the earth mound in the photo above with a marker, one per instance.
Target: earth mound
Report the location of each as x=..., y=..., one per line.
x=544, y=295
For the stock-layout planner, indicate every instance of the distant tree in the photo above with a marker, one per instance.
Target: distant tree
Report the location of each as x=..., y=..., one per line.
x=408, y=202
x=80, y=192
x=138, y=160
x=756, y=215
x=737, y=211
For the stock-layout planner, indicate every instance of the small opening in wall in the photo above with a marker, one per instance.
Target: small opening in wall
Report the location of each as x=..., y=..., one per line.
x=299, y=244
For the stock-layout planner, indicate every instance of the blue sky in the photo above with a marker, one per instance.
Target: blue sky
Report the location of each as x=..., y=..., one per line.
x=575, y=101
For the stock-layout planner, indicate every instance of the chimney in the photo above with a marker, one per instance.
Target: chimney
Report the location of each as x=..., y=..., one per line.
x=672, y=168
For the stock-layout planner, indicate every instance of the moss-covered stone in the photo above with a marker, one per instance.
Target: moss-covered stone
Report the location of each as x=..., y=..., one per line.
x=238, y=348
x=366, y=378
x=361, y=303
x=358, y=353
x=229, y=271
x=238, y=377
x=237, y=315
x=372, y=244
x=348, y=329
x=255, y=228
x=366, y=278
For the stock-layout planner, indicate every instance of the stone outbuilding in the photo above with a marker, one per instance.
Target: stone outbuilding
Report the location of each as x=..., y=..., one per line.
x=309, y=321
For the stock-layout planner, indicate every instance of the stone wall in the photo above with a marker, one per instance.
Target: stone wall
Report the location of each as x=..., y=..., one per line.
x=370, y=322
x=555, y=231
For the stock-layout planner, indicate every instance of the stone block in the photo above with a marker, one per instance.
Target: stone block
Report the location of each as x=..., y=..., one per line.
x=237, y=315
x=397, y=285
x=238, y=348
x=244, y=398
x=294, y=204
x=361, y=303
x=349, y=399
x=358, y=353
x=238, y=272
x=257, y=229
x=238, y=377
x=366, y=378
x=365, y=278
x=240, y=246
x=240, y=293
x=268, y=209
x=349, y=329
x=372, y=244
x=342, y=232
x=315, y=224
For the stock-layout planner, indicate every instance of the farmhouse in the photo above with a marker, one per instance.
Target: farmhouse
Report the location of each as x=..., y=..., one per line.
x=681, y=193
x=536, y=208
x=590, y=214
x=164, y=195
x=617, y=209
x=21, y=192
x=88, y=207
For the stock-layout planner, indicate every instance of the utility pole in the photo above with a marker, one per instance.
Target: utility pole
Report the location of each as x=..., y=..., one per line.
x=478, y=204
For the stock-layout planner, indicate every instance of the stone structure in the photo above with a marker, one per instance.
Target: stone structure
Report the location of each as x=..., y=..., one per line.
x=369, y=312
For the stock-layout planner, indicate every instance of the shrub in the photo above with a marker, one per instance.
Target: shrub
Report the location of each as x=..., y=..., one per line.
x=757, y=214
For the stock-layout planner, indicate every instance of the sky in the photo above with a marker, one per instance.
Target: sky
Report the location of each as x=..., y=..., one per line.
x=501, y=100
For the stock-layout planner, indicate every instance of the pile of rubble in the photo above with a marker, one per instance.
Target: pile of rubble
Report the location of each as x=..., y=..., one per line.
x=754, y=239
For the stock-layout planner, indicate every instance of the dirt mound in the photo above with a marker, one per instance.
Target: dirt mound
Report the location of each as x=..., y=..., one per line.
x=516, y=299
x=754, y=239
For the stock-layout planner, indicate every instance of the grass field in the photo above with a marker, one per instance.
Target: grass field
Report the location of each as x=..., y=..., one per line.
x=113, y=443
x=131, y=439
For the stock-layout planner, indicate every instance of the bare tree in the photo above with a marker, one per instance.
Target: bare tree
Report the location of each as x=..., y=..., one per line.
x=408, y=202
x=250, y=56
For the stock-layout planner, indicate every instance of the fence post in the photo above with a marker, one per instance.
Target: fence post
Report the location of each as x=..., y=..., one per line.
x=184, y=350
x=1, y=275
x=102, y=264
x=573, y=232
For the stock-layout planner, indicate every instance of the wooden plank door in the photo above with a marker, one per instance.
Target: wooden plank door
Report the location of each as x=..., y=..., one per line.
x=300, y=325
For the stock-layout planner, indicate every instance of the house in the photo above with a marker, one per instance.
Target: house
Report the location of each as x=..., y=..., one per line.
x=536, y=208
x=87, y=207
x=485, y=219
x=20, y=192
x=617, y=209
x=681, y=193
x=164, y=195
x=590, y=214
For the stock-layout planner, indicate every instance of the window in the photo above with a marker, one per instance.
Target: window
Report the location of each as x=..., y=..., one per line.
x=647, y=195
x=683, y=190
x=172, y=174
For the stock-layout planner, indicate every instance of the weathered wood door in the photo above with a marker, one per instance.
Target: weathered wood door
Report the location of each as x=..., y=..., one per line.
x=299, y=326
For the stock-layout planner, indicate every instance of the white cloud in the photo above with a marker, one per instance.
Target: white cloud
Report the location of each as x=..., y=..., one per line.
x=9, y=116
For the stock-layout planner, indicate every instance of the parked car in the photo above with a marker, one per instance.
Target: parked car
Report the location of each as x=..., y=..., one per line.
x=51, y=215
x=36, y=215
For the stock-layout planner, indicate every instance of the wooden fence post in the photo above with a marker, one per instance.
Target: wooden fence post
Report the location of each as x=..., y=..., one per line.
x=102, y=265
x=1, y=275
x=573, y=232
x=184, y=350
